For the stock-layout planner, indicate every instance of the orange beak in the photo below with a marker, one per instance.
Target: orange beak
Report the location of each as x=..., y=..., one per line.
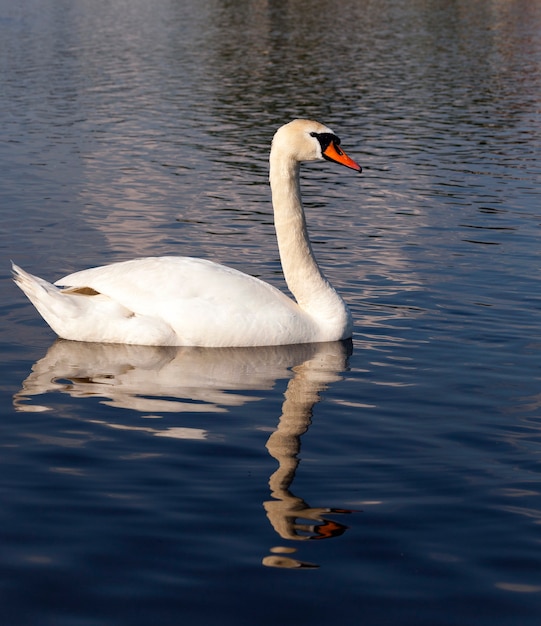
x=334, y=153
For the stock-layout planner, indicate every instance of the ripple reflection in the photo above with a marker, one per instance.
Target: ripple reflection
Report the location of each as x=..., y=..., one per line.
x=155, y=379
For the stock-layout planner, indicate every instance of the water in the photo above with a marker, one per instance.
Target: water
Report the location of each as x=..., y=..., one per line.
x=395, y=480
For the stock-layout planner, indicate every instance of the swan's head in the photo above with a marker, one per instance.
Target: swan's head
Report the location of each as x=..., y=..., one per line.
x=304, y=140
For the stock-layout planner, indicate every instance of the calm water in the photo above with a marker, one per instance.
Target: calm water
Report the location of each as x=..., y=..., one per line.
x=396, y=480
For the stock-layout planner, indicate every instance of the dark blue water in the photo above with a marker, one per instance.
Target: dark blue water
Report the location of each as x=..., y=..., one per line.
x=393, y=480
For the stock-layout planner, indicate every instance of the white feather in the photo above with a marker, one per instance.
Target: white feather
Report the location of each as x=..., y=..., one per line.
x=194, y=302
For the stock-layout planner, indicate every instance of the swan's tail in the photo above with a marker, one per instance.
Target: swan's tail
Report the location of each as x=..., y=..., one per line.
x=83, y=314
x=47, y=298
x=33, y=286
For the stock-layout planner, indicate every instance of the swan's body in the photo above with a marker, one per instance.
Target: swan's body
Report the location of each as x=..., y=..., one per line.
x=175, y=301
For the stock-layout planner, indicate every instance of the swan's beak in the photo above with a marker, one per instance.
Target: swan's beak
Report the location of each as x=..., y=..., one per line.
x=334, y=153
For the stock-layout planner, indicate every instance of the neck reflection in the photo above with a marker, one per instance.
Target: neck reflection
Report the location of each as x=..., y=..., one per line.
x=292, y=517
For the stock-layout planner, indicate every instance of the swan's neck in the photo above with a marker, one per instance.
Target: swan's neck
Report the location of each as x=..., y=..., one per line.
x=312, y=290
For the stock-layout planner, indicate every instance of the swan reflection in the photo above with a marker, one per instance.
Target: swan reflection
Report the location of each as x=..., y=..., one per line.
x=156, y=379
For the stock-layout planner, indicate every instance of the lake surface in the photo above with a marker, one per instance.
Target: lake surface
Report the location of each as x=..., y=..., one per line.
x=392, y=480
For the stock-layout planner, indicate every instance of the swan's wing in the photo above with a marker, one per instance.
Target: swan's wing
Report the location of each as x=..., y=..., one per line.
x=203, y=302
x=145, y=285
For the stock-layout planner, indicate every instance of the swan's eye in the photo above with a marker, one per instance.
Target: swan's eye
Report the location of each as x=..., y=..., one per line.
x=325, y=139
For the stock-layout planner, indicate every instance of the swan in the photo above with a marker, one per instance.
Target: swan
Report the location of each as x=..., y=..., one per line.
x=184, y=301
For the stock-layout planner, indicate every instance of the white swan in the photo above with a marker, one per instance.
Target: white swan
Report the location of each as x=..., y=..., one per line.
x=182, y=301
